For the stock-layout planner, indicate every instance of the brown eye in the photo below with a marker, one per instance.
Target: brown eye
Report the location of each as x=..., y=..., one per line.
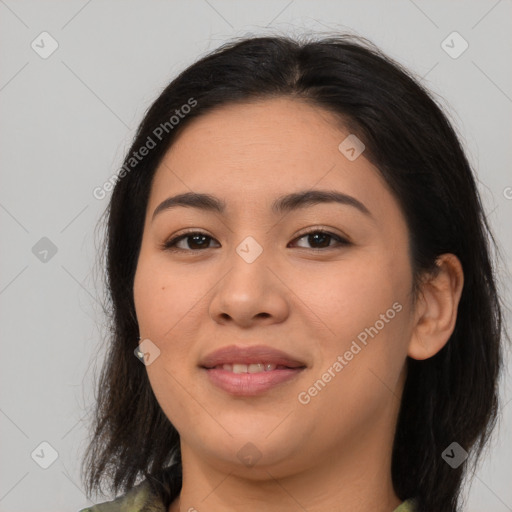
x=321, y=239
x=196, y=241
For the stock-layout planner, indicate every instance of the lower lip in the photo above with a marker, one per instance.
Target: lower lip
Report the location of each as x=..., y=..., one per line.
x=250, y=384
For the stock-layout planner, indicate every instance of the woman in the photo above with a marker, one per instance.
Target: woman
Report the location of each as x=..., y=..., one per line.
x=304, y=306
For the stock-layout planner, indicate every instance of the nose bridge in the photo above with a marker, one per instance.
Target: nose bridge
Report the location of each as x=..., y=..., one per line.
x=248, y=261
x=251, y=232
x=250, y=249
x=249, y=290
x=251, y=240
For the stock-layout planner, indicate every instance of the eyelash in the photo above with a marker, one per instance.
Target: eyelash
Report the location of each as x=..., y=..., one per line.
x=170, y=245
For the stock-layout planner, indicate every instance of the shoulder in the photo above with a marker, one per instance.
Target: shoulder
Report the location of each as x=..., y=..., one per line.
x=140, y=498
x=406, y=506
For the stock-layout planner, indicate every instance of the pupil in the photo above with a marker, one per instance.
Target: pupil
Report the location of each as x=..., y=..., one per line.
x=195, y=237
x=322, y=236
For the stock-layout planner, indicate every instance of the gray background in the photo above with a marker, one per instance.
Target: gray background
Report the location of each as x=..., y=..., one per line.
x=66, y=122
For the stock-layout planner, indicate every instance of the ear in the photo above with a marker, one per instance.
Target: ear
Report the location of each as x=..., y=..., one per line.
x=436, y=310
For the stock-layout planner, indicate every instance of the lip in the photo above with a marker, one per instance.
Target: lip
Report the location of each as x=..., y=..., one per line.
x=250, y=384
x=247, y=355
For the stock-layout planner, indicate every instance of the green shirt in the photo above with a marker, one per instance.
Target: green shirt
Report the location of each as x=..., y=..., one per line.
x=142, y=498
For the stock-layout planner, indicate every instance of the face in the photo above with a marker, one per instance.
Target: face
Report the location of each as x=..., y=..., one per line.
x=328, y=283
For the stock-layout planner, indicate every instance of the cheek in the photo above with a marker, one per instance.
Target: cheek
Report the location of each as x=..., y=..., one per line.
x=161, y=298
x=358, y=381
x=355, y=297
x=367, y=313
x=168, y=308
x=163, y=308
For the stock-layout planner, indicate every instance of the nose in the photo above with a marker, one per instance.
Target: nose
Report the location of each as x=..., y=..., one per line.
x=250, y=293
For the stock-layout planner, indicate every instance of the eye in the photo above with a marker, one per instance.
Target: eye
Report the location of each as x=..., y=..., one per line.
x=322, y=238
x=199, y=240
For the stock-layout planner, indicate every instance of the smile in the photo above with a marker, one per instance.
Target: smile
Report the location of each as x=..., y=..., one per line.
x=250, y=368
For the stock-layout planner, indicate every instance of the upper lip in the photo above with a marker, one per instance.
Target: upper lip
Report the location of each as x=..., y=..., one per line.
x=247, y=355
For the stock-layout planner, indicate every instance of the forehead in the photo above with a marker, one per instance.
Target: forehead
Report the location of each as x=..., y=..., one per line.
x=250, y=153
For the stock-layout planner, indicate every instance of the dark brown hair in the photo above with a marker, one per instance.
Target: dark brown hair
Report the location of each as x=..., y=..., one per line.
x=452, y=396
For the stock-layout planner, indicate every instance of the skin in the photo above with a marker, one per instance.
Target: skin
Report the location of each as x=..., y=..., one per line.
x=333, y=453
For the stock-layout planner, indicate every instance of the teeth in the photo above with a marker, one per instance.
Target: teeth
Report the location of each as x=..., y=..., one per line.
x=239, y=368
x=249, y=368
x=256, y=368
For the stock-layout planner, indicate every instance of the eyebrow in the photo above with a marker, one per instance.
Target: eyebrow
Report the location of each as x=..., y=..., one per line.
x=283, y=204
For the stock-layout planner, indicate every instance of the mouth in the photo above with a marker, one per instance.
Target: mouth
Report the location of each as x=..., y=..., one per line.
x=250, y=371
x=251, y=368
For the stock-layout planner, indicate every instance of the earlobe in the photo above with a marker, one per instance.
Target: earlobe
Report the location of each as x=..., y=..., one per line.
x=436, y=311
